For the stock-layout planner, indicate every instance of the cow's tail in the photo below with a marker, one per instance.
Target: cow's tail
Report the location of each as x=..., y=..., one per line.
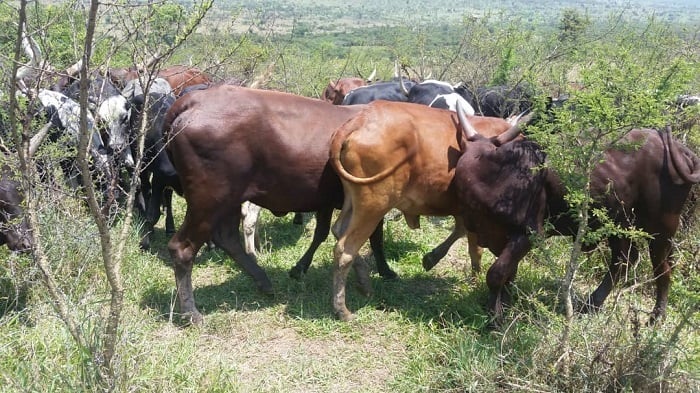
x=684, y=161
x=337, y=146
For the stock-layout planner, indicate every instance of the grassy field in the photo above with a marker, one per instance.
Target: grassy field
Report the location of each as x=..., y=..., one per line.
x=426, y=332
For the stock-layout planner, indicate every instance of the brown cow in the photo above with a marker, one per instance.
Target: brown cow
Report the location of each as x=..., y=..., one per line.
x=336, y=90
x=393, y=155
x=504, y=201
x=231, y=144
x=180, y=77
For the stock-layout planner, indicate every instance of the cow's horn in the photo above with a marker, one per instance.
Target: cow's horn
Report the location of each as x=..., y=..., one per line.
x=404, y=90
x=36, y=140
x=513, y=131
x=371, y=76
x=467, y=126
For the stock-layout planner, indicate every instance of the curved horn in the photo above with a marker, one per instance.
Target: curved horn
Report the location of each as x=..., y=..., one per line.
x=36, y=140
x=396, y=69
x=469, y=130
x=75, y=68
x=689, y=171
x=513, y=131
x=372, y=75
x=404, y=90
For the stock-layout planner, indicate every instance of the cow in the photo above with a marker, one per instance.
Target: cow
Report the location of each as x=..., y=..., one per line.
x=158, y=176
x=393, y=155
x=336, y=90
x=180, y=76
x=389, y=90
x=498, y=101
x=14, y=230
x=133, y=88
x=112, y=114
x=64, y=114
x=504, y=201
x=436, y=94
x=121, y=76
x=230, y=144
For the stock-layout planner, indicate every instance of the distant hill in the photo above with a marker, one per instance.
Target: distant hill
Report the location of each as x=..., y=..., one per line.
x=339, y=15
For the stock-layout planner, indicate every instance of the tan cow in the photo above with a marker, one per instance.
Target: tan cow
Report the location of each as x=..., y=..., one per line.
x=394, y=155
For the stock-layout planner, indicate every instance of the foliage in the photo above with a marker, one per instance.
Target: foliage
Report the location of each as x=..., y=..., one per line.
x=572, y=24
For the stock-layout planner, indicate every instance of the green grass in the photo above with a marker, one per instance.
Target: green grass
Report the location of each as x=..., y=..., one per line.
x=426, y=332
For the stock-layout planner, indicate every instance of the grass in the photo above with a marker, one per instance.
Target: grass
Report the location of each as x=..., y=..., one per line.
x=426, y=332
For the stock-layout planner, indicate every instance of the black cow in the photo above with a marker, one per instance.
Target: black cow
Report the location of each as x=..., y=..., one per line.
x=158, y=176
x=13, y=225
x=498, y=101
x=503, y=200
x=389, y=91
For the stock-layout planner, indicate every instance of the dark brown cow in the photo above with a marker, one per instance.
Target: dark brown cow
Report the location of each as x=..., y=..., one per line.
x=393, y=155
x=336, y=90
x=231, y=144
x=180, y=77
x=504, y=201
x=13, y=225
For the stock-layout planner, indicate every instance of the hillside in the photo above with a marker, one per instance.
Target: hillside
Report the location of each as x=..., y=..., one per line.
x=336, y=15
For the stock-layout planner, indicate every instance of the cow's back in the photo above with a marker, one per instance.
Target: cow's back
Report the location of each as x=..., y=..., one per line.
x=419, y=143
x=640, y=185
x=267, y=147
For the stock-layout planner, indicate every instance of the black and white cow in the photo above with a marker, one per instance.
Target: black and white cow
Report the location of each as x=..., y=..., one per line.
x=112, y=114
x=438, y=94
x=64, y=113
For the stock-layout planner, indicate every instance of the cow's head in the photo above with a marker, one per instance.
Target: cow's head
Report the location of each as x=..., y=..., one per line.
x=113, y=119
x=336, y=91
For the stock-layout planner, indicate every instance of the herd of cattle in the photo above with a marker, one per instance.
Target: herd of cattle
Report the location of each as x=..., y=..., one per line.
x=424, y=148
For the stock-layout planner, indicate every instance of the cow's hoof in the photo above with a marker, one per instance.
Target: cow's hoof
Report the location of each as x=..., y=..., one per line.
x=265, y=287
x=345, y=316
x=588, y=308
x=296, y=272
x=192, y=318
x=389, y=275
x=145, y=245
x=429, y=261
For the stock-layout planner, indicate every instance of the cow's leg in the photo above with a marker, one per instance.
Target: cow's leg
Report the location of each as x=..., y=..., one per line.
x=358, y=231
x=152, y=212
x=622, y=253
x=376, y=241
x=503, y=271
x=660, y=253
x=298, y=218
x=183, y=247
x=323, y=226
x=168, y=205
x=343, y=220
x=250, y=213
x=433, y=257
x=226, y=235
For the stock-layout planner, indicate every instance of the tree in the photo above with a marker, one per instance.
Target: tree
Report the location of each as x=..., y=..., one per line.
x=572, y=25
